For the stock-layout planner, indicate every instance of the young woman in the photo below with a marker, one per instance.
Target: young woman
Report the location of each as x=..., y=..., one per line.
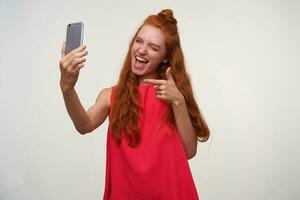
x=154, y=120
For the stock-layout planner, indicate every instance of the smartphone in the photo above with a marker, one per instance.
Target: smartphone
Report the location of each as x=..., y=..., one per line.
x=74, y=36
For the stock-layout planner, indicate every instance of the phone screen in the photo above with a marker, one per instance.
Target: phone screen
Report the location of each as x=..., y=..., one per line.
x=74, y=36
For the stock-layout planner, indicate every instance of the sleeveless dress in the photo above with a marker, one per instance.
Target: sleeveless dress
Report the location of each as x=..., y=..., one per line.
x=158, y=168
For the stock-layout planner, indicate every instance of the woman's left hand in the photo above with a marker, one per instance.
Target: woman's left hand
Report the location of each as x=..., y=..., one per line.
x=167, y=89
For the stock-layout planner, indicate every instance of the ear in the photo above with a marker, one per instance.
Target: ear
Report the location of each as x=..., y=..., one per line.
x=165, y=61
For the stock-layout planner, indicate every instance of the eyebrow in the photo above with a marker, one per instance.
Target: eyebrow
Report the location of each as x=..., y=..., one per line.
x=153, y=44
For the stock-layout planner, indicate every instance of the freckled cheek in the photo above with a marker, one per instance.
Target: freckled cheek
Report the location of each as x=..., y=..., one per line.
x=155, y=59
x=134, y=49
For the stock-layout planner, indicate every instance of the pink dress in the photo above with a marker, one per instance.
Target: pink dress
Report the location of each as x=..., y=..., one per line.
x=158, y=168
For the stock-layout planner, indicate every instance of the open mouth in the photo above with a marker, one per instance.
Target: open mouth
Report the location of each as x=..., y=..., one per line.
x=141, y=60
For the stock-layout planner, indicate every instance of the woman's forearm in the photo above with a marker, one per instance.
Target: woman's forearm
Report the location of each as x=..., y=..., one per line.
x=185, y=127
x=76, y=111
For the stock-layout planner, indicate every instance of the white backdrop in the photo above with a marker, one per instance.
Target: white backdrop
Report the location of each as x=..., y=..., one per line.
x=243, y=57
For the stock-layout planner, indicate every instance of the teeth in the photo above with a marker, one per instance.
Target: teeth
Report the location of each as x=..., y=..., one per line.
x=141, y=59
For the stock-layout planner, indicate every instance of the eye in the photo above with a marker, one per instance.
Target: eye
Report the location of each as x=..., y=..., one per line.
x=138, y=40
x=155, y=49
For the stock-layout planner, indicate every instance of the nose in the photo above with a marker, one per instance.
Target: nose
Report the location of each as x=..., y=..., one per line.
x=142, y=49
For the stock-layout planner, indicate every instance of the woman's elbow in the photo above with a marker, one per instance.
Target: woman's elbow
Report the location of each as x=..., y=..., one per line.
x=86, y=129
x=191, y=154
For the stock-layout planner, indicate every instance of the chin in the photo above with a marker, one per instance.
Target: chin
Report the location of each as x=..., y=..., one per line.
x=137, y=72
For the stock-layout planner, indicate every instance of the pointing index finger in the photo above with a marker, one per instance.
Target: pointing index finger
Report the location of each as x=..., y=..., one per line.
x=155, y=81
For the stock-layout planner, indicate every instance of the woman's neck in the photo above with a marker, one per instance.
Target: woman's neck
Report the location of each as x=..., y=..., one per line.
x=149, y=76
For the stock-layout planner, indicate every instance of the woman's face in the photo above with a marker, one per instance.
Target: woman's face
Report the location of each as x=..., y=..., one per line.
x=147, y=52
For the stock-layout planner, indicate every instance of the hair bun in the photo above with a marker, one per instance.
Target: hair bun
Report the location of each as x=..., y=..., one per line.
x=168, y=15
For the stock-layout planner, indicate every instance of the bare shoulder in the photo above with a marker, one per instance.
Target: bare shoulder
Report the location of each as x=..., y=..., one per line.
x=104, y=96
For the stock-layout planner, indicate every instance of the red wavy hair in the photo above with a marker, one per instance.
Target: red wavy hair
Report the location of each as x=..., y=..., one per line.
x=124, y=117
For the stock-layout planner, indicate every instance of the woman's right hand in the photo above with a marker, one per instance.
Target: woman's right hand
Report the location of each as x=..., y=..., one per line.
x=70, y=65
